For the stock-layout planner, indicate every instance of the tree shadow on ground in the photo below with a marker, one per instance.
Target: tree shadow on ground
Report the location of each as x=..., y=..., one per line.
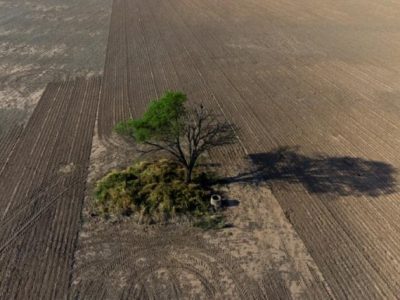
x=230, y=202
x=341, y=176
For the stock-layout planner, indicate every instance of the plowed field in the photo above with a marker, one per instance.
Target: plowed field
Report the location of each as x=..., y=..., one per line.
x=319, y=79
x=42, y=186
x=314, y=87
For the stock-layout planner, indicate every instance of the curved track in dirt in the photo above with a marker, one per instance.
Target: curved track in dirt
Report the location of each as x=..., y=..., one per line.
x=167, y=263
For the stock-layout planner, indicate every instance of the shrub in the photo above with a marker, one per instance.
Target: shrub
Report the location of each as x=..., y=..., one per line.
x=154, y=190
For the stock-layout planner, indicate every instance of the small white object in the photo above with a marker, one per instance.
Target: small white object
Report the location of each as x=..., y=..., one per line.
x=216, y=200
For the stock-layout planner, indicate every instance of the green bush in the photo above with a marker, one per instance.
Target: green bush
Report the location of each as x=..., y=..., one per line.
x=155, y=190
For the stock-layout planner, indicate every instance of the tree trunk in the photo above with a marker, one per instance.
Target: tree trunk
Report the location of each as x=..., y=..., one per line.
x=188, y=175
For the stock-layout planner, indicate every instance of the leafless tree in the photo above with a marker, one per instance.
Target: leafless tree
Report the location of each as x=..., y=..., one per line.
x=199, y=131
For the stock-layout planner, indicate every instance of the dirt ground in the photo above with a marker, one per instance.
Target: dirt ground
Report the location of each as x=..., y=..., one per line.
x=42, y=184
x=44, y=41
x=258, y=256
x=314, y=87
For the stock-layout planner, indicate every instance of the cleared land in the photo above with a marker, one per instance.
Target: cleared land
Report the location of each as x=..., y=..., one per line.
x=260, y=257
x=41, y=42
x=313, y=85
x=319, y=78
x=42, y=186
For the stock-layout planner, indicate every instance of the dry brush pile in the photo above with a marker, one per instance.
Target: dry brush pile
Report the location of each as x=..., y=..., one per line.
x=154, y=191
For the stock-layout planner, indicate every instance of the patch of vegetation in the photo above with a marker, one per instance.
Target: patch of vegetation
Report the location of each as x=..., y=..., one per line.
x=160, y=190
x=154, y=191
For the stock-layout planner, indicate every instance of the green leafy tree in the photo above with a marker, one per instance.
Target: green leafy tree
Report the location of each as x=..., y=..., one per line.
x=185, y=134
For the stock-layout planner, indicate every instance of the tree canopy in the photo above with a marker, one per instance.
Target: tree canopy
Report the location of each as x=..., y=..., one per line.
x=162, y=120
x=186, y=134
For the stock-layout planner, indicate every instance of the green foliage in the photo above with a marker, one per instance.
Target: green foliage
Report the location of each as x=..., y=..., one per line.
x=154, y=190
x=163, y=118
